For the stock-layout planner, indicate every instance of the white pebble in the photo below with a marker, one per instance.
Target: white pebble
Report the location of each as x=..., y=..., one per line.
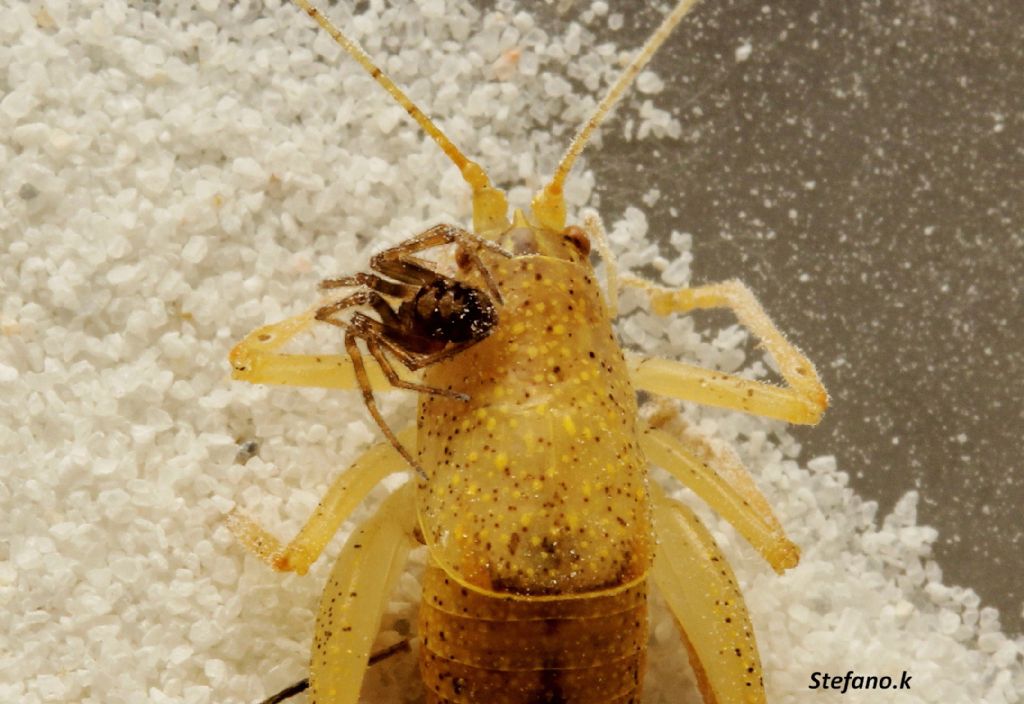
x=195, y=249
x=50, y=688
x=17, y=104
x=649, y=83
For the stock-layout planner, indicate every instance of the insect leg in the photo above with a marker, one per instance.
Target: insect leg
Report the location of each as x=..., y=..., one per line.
x=595, y=229
x=302, y=685
x=342, y=497
x=803, y=401
x=702, y=594
x=721, y=481
x=256, y=359
x=355, y=597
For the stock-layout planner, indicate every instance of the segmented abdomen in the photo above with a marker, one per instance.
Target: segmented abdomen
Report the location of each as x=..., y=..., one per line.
x=478, y=649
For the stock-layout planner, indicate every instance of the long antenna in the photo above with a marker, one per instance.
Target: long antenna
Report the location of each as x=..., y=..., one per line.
x=549, y=203
x=490, y=207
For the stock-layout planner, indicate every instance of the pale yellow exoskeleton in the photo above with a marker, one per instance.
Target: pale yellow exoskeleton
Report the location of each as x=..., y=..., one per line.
x=532, y=495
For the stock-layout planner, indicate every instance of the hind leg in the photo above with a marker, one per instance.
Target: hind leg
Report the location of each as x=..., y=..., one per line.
x=703, y=595
x=723, y=483
x=355, y=597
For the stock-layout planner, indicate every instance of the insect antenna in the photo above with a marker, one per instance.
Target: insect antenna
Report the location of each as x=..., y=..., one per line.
x=548, y=203
x=302, y=685
x=288, y=692
x=490, y=206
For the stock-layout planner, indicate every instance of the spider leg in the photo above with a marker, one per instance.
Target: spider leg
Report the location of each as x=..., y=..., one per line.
x=437, y=236
x=398, y=263
x=374, y=345
x=399, y=345
x=258, y=359
x=363, y=382
x=371, y=281
x=473, y=255
x=360, y=298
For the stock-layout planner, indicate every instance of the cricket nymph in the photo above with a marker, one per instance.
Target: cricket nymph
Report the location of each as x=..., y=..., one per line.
x=531, y=488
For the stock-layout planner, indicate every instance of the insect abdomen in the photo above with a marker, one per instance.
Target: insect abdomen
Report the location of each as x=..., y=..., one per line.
x=480, y=649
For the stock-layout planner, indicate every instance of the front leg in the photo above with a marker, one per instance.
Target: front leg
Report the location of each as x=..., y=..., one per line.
x=398, y=262
x=803, y=401
x=257, y=359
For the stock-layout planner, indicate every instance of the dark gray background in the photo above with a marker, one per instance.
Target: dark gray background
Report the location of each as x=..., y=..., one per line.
x=900, y=272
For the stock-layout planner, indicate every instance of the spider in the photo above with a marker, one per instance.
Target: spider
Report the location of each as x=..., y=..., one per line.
x=438, y=317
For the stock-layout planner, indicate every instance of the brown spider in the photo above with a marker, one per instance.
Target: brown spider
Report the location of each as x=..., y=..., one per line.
x=437, y=318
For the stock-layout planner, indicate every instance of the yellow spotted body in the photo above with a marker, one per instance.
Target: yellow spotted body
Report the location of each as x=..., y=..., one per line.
x=536, y=510
x=530, y=486
x=537, y=484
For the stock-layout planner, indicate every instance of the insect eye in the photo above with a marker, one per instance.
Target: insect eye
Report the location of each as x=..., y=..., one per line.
x=578, y=238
